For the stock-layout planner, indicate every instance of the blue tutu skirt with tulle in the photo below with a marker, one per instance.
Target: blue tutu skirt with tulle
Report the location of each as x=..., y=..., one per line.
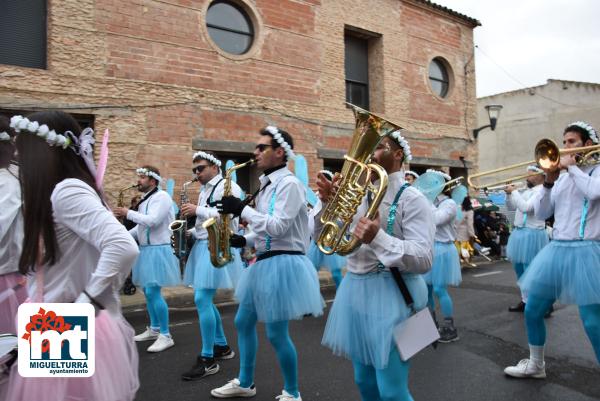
x=445, y=269
x=319, y=259
x=524, y=243
x=366, y=309
x=156, y=265
x=281, y=287
x=200, y=273
x=565, y=270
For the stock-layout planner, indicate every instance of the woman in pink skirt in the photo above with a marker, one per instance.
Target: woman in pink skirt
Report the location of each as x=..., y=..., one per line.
x=77, y=251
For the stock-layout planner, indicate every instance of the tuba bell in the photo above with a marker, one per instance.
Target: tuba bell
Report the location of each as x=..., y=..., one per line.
x=218, y=229
x=178, y=228
x=355, y=182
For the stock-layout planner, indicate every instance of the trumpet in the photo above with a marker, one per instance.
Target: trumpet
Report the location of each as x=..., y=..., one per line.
x=547, y=156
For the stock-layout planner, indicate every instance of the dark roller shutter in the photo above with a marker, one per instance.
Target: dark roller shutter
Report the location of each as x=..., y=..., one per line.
x=23, y=33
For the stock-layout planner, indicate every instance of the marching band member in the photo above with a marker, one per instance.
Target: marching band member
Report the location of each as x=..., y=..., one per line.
x=368, y=304
x=12, y=284
x=445, y=269
x=201, y=274
x=410, y=176
x=78, y=251
x=156, y=266
x=529, y=234
x=282, y=284
x=334, y=262
x=567, y=268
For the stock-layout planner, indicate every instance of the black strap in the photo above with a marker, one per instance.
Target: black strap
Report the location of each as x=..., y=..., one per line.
x=146, y=197
x=213, y=191
x=270, y=254
x=402, y=286
x=250, y=199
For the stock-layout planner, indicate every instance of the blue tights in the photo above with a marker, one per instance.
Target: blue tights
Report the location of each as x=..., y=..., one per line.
x=388, y=384
x=211, y=327
x=536, y=329
x=277, y=332
x=519, y=269
x=337, y=277
x=441, y=292
x=157, y=309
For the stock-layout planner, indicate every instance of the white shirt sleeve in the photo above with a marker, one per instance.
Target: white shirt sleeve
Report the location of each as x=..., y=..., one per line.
x=414, y=253
x=134, y=232
x=287, y=206
x=78, y=207
x=522, y=204
x=10, y=199
x=445, y=213
x=543, y=204
x=161, y=206
x=589, y=185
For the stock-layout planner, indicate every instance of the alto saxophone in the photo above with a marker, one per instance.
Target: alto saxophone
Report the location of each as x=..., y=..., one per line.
x=120, y=200
x=179, y=227
x=218, y=229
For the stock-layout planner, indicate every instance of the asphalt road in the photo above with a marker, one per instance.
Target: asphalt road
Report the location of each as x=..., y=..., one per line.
x=470, y=369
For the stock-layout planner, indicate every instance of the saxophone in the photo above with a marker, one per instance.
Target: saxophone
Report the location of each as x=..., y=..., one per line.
x=120, y=200
x=179, y=227
x=355, y=182
x=218, y=229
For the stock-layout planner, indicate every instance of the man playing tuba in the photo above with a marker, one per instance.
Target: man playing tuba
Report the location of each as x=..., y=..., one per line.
x=201, y=274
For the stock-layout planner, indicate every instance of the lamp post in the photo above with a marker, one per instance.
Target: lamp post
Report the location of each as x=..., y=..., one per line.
x=493, y=113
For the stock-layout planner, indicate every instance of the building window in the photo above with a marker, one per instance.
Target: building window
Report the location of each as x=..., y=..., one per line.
x=23, y=33
x=356, y=65
x=438, y=77
x=230, y=27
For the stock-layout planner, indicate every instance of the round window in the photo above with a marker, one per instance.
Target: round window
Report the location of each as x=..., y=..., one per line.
x=439, y=77
x=230, y=27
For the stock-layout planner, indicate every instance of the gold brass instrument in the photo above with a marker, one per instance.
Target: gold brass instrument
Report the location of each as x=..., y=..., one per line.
x=355, y=181
x=453, y=183
x=120, y=200
x=179, y=227
x=218, y=229
x=547, y=156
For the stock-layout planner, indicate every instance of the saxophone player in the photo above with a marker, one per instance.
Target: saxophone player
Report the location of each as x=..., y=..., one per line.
x=156, y=266
x=368, y=304
x=201, y=274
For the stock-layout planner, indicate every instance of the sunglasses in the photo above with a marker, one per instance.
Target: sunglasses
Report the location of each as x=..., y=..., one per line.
x=262, y=147
x=198, y=169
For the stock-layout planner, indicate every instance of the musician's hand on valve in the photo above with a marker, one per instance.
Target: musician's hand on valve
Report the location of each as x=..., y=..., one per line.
x=568, y=160
x=509, y=189
x=229, y=205
x=120, y=211
x=367, y=229
x=188, y=209
x=325, y=188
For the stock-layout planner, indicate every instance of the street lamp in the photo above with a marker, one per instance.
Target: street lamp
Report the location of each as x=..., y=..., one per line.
x=494, y=113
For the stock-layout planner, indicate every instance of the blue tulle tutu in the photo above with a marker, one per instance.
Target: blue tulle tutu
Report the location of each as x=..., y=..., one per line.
x=319, y=259
x=445, y=269
x=565, y=270
x=282, y=287
x=524, y=243
x=366, y=309
x=156, y=265
x=201, y=273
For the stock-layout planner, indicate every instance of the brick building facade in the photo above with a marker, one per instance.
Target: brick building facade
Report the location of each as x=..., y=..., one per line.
x=150, y=71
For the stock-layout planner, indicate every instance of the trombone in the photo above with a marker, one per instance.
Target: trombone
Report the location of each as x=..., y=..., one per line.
x=547, y=156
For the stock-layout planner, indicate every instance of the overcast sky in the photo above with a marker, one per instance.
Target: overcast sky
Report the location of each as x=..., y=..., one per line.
x=532, y=40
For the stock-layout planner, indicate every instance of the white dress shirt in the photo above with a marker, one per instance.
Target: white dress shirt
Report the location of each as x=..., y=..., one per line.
x=205, y=212
x=153, y=218
x=565, y=201
x=523, y=203
x=95, y=251
x=11, y=220
x=288, y=224
x=410, y=248
x=444, y=215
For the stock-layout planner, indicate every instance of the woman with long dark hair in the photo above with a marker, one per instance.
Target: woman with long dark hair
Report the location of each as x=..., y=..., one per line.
x=12, y=289
x=77, y=251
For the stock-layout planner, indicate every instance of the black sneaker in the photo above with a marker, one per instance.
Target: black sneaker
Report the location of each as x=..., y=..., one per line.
x=448, y=335
x=221, y=352
x=203, y=367
x=520, y=307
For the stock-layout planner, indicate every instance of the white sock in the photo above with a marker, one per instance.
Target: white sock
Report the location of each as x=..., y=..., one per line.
x=536, y=354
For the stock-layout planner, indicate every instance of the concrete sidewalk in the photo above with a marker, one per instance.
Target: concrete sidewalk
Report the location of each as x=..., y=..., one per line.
x=181, y=297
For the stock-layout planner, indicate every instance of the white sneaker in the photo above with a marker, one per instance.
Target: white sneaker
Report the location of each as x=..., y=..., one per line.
x=525, y=369
x=162, y=343
x=233, y=389
x=285, y=396
x=147, y=335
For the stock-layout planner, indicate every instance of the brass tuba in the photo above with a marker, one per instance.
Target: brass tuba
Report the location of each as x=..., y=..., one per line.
x=218, y=229
x=355, y=182
x=179, y=227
